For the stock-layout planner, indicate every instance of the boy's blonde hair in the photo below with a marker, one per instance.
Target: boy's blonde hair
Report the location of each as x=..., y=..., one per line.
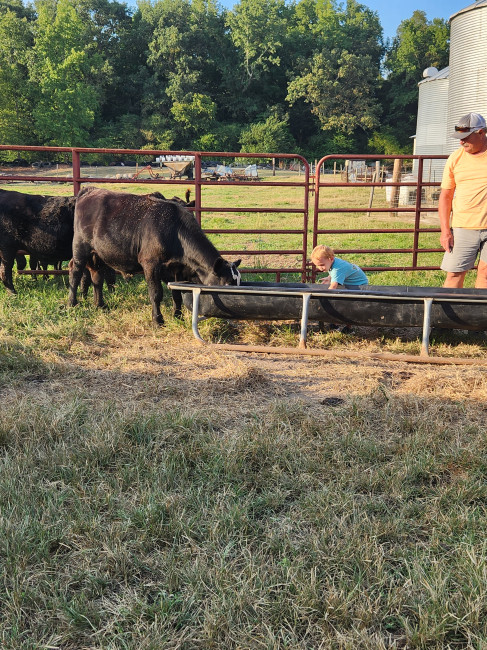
x=322, y=252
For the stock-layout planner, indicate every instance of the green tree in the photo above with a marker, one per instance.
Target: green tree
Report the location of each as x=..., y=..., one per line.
x=123, y=133
x=255, y=76
x=66, y=70
x=386, y=141
x=271, y=135
x=257, y=28
x=15, y=107
x=195, y=116
x=223, y=137
x=340, y=89
x=418, y=44
x=120, y=37
x=339, y=80
x=18, y=8
x=184, y=58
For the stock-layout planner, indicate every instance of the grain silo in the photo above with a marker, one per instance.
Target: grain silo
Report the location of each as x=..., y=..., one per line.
x=431, y=126
x=468, y=66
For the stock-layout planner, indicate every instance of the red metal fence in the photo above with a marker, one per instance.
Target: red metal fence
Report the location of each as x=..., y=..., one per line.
x=199, y=181
x=327, y=204
x=420, y=208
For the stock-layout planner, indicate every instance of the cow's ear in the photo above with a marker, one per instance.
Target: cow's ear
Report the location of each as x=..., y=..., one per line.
x=219, y=263
x=237, y=262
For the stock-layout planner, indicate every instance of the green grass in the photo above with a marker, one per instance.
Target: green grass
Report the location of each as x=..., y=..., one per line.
x=131, y=528
x=155, y=494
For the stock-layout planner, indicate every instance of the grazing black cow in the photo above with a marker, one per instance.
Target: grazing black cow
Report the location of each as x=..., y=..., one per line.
x=41, y=226
x=145, y=233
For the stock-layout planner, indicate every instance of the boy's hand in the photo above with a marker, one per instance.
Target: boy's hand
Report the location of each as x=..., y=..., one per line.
x=325, y=280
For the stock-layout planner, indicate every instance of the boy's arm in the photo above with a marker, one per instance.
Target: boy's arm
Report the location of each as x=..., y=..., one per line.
x=333, y=285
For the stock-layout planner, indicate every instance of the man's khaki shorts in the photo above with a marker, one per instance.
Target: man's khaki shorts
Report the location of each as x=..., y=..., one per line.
x=467, y=244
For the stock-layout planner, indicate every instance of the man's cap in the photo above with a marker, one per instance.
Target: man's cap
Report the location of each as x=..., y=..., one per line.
x=468, y=124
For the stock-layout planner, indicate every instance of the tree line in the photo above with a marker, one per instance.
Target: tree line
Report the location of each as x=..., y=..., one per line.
x=308, y=76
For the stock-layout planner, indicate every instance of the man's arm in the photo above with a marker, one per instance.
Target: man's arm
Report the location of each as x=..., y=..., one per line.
x=444, y=212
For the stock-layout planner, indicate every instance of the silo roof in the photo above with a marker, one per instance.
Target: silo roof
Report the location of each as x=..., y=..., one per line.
x=474, y=5
x=441, y=74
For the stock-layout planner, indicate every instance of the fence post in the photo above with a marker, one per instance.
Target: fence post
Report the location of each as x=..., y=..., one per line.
x=396, y=177
x=371, y=198
x=197, y=187
x=76, y=172
x=417, y=216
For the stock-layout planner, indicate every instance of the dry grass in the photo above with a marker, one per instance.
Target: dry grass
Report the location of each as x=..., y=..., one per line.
x=158, y=493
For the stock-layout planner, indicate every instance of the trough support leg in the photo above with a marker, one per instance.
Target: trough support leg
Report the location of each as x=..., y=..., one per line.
x=304, y=320
x=428, y=302
x=196, y=307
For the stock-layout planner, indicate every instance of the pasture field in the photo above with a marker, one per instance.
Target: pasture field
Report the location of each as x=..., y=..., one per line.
x=260, y=195
x=159, y=494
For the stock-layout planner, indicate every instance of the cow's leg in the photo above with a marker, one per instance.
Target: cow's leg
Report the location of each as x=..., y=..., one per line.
x=177, y=303
x=21, y=262
x=43, y=266
x=76, y=268
x=154, y=284
x=33, y=266
x=110, y=277
x=85, y=283
x=97, y=280
x=6, y=265
x=96, y=268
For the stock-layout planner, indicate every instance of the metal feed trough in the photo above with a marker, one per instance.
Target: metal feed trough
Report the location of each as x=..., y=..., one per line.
x=379, y=306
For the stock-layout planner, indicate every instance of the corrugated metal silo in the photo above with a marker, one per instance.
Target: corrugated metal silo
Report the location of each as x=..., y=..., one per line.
x=468, y=66
x=431, y=126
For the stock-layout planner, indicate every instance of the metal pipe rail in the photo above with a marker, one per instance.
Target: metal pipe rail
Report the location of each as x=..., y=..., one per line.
x=382, y=306
x=295, y=255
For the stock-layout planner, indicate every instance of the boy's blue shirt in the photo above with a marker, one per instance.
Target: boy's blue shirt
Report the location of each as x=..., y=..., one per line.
x=344, y=272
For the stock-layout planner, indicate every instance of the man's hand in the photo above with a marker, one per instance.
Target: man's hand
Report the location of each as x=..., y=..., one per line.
x=446, y=240
x=444, y=212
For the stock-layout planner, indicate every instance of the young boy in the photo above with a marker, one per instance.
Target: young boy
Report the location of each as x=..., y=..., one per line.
x=341, y=274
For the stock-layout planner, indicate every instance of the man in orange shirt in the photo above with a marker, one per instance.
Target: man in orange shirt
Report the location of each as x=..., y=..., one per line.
x=463, y=197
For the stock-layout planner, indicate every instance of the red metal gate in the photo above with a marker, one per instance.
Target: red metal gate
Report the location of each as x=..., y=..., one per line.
x=261, y=242
x=295, y=255
x=421, y=190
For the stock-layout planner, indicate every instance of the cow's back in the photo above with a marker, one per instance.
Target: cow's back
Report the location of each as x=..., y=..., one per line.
x=37, y=223
x=16, y=209
x=124, y=228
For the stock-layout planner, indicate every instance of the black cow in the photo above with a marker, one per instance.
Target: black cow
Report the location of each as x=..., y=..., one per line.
x=39, y=225
x=145, y=233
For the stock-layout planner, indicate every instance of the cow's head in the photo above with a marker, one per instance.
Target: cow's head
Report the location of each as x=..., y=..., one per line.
x=224, y=272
